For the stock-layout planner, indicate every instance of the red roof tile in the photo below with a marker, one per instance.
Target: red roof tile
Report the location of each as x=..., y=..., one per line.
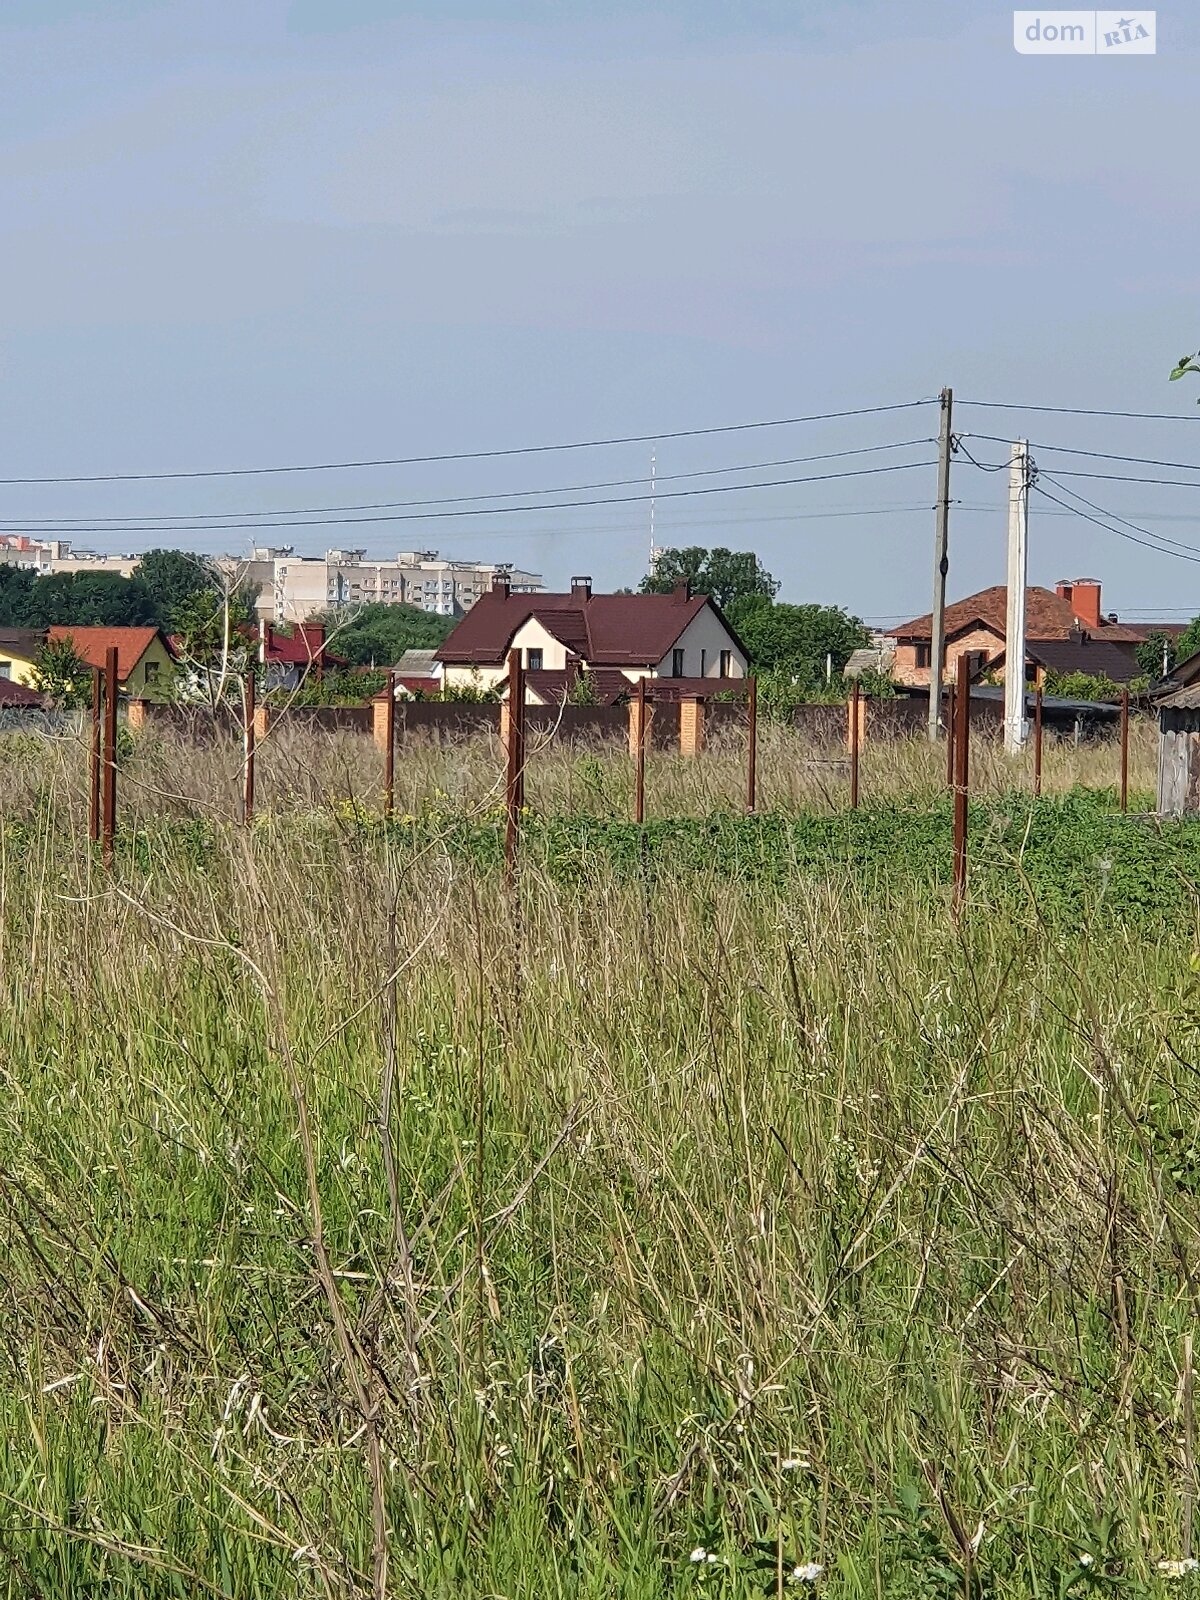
x=92, y=644
x=1047, y=616
x=19, y=694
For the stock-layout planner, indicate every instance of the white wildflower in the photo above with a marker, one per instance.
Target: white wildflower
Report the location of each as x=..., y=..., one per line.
x=809, y=1572
x=794, y=1464
x=1179, y=1569
x=1086, y=1560
x=699, y=1554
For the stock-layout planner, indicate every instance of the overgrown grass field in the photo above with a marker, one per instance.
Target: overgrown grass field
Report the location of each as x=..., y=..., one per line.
x=712, y=1215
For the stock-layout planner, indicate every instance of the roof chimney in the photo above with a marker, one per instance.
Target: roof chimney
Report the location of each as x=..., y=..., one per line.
x=682, y=592
x=581, y=588
x=1085, y=601
x=500, y=585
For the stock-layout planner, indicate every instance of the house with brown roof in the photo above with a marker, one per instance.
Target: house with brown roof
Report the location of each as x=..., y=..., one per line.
x=676, y=639
x=1065, y=631
x=19, y=651
x=144, y=655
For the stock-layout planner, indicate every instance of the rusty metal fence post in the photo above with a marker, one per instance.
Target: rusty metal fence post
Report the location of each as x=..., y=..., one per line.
x=109, y=784
x=389, y=753
x=962, y=777
x=94, y=758
x=1037, y=740
x=248, y=732
x=1124, y=749
x=515, y=775
x=639, y=777
x=950, y=707
x=855, y=697
x=752, y=743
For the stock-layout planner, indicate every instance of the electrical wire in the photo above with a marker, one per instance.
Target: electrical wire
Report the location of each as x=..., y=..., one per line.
x=1120, y=533
x=470, y=499
x=474, y=455
x=1098, y=455
x=495, y=511
x=1081, y=411
x=1113, y=516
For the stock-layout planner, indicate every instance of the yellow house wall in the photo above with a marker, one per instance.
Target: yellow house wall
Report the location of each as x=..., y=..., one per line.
x=20, y=670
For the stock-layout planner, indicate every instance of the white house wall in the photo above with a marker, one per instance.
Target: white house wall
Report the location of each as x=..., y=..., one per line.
x=704, y=633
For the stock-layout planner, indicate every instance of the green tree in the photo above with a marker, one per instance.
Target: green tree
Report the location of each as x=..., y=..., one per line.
x=16, y=590
x=378, y=634
x=1082, y=686
x=728, y=576
x=1156, y=654
x=62, y=675
x=174, y=579
x=799, y=640
x=1188, y=642
x=90, y=599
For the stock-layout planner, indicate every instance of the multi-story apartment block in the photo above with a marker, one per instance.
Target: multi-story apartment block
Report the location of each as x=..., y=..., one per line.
x=292, y=588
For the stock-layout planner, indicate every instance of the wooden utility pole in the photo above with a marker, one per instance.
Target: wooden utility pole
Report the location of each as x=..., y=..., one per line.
x=94, y=757
x=639, y=759
x=389, y=754
x=1124, y=749
x=248, y=732
x=1015, y=726
x=962, y=775
x=1037, y=740
x=752, y=743
x=941, y=566
x=109, y=785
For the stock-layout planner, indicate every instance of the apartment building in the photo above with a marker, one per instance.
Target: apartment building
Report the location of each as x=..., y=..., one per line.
x=45, y=556
x=292, y=588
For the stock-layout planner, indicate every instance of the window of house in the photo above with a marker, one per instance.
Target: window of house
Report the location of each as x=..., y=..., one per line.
x=703, y=661
x=152, y=672
x=726, y=663
x=5, y=669
x=922, y=654
x=677, y=663
x=533, y=660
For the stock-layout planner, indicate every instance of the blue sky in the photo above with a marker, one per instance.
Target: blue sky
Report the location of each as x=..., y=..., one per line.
x=317, y=230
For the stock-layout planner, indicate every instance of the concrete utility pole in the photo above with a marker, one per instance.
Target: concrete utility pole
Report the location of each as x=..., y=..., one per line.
x=941, y=565
x=1015, y=726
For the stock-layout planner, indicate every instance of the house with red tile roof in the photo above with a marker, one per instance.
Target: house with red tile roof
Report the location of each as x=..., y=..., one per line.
x=144, y=655
x=613, y=638
x=1065, y=631
x=288, y=656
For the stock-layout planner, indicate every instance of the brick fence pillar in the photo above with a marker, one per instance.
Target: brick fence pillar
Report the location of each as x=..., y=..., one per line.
x=135, y=714
x=261, y=719
x=506, y=722
x=379, y=723
x=639, y=732
x=691, y=726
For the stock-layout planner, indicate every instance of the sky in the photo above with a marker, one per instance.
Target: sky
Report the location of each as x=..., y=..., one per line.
x=319, y=231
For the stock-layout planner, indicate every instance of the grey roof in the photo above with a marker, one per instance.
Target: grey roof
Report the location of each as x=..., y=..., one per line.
x=417, y=664
x=1186, y=699
x=1050, y=702
x=874, y=658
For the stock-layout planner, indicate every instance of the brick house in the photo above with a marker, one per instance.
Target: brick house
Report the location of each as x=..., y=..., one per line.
x=1065, y=631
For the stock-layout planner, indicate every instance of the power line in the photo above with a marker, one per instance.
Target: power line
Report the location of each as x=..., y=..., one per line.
x=494, y=511
x=1099, y=455
x=1108, y=477
x=1120, y=533
x=1112, y=515
x=1083, y=411
x=473, y=455
x=471, y=499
